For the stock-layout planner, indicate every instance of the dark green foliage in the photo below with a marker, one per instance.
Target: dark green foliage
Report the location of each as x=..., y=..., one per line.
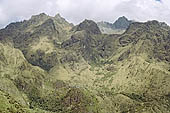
x=45, y=61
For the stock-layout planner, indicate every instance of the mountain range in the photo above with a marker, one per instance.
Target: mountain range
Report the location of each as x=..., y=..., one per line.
x=48, y=65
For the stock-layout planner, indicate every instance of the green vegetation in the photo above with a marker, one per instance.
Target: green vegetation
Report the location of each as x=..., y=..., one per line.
x=48, y=65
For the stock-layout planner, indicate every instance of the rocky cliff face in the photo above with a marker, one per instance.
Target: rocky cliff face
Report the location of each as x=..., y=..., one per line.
x=49, y=65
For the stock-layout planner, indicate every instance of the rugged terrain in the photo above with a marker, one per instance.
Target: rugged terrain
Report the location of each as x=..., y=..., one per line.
x=49, y=65
x=118, y=27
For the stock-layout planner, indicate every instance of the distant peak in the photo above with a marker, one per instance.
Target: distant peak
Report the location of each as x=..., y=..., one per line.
x=86, y=21
x=43, y=14
x=122, y=19
x=57, y=15
x=39, y=16
x=122, y=23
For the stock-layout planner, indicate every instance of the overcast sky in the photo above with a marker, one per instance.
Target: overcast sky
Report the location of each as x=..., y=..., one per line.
x=76, y=11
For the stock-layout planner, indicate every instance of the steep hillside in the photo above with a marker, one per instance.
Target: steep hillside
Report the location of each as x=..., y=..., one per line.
x=25, y=88
x=49, y=65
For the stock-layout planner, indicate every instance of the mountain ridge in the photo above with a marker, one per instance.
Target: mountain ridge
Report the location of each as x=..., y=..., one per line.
x=58, y=67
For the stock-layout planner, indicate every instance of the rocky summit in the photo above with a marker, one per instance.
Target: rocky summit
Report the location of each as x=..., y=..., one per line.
x=118, y=27
x=48, y=65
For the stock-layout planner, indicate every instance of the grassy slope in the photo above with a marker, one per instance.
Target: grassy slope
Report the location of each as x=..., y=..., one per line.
x=34, y=90
x=101, y=73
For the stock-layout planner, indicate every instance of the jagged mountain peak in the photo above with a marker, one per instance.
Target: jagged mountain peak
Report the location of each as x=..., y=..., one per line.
x=87, y=22
x=122, y=18
x=57, y=15
x=41, y=15
x=89, y=26
x=118, y=27
x=59, y=19
x=34, y=20
x=122, y=23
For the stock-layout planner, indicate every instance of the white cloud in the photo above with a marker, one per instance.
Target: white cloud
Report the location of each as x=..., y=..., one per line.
x=77, y=10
